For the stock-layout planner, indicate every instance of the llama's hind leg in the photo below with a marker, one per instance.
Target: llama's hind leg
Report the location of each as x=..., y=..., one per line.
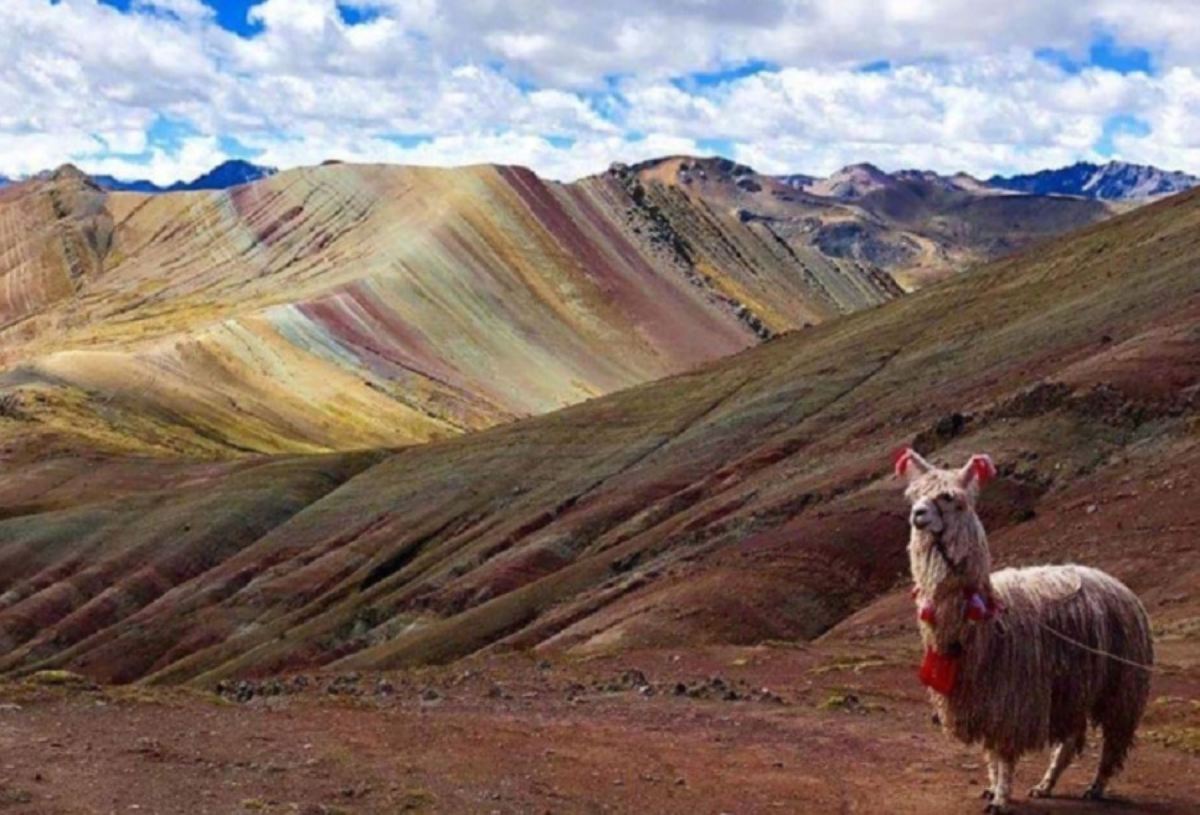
x=1064, y=753
x=1117, y=741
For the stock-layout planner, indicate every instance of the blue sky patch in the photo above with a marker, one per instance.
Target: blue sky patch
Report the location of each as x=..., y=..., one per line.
x=879, y=66
x=1122, y=125
x=407, y=140
x=168, y=134
x=709, y=79
x=353, y=14
x=1106, y=53
x=717, y=147
x=235, y=149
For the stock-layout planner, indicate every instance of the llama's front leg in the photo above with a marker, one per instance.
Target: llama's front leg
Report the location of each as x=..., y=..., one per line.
x=1063, y=755
x=990, y=793
x=1003, y=789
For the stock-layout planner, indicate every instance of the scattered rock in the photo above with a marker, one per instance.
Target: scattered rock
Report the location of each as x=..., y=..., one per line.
x=242, y=690
x=630, y=679
x=849, y=703
x=148, y=747
x=345, y=685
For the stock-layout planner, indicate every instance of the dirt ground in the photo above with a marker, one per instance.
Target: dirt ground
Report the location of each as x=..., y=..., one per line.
x=829, y=728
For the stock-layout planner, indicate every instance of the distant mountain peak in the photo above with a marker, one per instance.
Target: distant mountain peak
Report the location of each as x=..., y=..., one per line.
x=852, y=181
x=1114, y=181
x=227, y=174
x=231, y=173
x=862, y=167
x=66, y=171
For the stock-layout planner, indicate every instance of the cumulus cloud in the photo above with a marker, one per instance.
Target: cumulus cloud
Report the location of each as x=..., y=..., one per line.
x=569, y=87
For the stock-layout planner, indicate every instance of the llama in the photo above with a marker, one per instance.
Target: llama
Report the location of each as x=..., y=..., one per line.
x=1020, y=659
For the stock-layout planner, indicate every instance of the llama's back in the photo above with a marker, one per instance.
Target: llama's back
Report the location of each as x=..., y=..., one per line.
x=1094, y=639
x=1065, y=651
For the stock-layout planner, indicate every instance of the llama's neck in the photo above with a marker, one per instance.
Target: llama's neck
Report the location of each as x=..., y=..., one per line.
x=948, y=571
x=958, y=558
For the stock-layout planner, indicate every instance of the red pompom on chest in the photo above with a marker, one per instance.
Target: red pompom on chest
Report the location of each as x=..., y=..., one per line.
x=939, y=672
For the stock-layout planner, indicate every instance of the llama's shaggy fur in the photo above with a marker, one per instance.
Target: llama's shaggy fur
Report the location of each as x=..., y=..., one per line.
x=1030, y=676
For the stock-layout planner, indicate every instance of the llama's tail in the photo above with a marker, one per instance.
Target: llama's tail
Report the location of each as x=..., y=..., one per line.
x=1119, y=707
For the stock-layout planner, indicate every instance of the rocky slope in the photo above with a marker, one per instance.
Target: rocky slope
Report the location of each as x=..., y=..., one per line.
x=1114, y=181
x=918, y=226
x=343, y=306
x=745, y=501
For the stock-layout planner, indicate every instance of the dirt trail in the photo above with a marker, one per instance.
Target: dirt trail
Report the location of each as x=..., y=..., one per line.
x=831, y=728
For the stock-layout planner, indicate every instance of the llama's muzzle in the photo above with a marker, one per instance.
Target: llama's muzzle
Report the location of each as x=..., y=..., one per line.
x=925, y=516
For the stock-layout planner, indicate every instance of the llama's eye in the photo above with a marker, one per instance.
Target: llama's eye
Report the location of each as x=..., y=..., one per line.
x=945, y=498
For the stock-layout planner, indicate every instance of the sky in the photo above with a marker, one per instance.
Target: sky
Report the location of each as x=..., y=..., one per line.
x=166, y=89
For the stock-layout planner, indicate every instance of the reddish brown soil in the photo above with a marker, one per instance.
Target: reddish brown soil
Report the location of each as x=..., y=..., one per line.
x=839, y=728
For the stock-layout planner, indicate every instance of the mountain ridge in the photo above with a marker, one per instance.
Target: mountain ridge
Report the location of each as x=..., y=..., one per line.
x=743, y=501
x=361, y=306
x=916, y=225
x=1113, y=181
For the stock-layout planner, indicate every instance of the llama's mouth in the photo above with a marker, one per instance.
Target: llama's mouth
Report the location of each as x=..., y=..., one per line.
x=928, y=528
x=931, y=526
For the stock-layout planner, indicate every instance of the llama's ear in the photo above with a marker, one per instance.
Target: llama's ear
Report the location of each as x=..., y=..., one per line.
x=910, y=465
x=978, y=470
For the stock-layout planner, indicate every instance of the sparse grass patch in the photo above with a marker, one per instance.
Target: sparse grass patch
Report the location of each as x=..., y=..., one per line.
x=853, y=664
x=163, y=696
x=60, y=679
x=794, y=645
x=1185, y=629
x=1186, y=739
x=849, y=702
x=14, y=797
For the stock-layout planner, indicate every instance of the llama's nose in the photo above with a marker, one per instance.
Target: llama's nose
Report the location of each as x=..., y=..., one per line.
x=921, y=518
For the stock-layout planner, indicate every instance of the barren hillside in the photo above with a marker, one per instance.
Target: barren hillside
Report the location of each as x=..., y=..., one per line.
x=744, y=501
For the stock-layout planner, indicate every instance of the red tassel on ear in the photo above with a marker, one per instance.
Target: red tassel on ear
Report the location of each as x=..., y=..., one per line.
x=901, y=460
x=983, y=468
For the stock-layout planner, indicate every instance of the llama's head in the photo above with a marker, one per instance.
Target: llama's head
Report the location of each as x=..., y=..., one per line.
x=940, y=498
x=943, y=507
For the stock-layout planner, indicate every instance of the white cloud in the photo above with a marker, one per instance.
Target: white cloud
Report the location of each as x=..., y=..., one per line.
x=563, y=163
x=491, y=80
x=195, y=156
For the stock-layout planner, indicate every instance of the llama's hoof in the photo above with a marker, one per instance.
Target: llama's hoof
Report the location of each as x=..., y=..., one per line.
x=1094, y=793
x=987, y=795
x=1040, y=791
